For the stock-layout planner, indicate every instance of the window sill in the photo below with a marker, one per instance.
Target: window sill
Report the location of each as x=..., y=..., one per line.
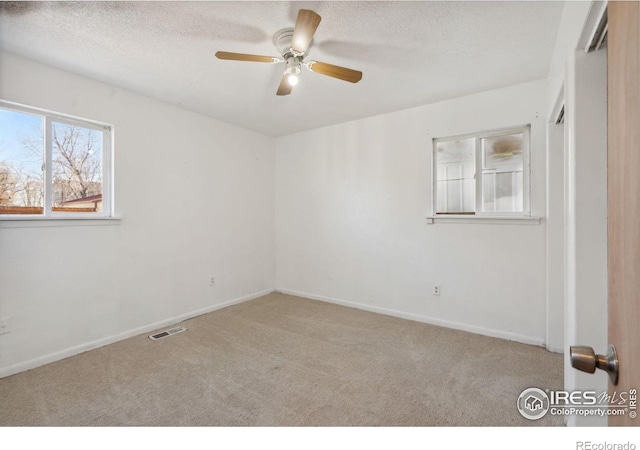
x=495, y=220
x=31, y=222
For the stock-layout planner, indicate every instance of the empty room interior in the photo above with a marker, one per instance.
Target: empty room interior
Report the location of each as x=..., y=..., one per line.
x=300, y=213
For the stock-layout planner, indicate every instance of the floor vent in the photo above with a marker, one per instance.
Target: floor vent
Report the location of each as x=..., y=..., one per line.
x=167, y=333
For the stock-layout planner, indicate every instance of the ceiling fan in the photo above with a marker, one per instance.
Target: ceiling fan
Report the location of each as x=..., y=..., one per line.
x=293, y=44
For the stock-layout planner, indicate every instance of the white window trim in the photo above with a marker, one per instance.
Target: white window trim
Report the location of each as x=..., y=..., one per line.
x=107, y=130
x=495, y=220
x=523, y=217
x=44, y=222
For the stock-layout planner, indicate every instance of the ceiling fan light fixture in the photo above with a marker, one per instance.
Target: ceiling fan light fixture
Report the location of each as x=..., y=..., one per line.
x=292, y=70
x=292, y=80
x=293, y=66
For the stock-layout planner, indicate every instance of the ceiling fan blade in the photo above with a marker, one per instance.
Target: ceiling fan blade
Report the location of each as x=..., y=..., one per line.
x=284, y=88
x=342, y=73
x=245, y=57
x=306, y=25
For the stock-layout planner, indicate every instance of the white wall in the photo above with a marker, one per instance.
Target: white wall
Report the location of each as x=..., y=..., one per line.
x=584, y=239
x=572, y=22
x=196, y=200
x=586, y=218
x=351, y=201
x=555, y=237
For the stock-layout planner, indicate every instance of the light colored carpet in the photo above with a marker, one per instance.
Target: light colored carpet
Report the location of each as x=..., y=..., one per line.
x=284, y=361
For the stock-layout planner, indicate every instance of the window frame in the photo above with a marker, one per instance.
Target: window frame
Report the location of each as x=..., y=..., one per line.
x=48, y=118
x=478, y=136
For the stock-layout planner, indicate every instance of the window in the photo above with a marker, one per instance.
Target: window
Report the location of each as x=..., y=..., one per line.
x=484, y=174
x=52, y=165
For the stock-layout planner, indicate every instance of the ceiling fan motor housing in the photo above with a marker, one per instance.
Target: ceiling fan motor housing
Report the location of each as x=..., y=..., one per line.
x=282, y=41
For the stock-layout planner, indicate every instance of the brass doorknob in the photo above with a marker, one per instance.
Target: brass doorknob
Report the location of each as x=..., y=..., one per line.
x=585, y=359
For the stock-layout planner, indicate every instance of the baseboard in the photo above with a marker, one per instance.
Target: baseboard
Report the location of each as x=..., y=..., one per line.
x=420, y=318
x=555, y=349
x=52, y=357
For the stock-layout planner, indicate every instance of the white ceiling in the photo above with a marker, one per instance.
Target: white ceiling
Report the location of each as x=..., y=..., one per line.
x=411, y=53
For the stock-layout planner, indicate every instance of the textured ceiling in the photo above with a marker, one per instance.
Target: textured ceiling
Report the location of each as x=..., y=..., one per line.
x=411, y=53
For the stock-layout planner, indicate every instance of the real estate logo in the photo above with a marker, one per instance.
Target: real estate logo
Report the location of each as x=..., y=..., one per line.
x=533, y=403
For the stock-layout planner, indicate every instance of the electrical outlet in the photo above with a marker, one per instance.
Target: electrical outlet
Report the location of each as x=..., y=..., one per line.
x=212, y=282
x=436, y=289
x=5, y=325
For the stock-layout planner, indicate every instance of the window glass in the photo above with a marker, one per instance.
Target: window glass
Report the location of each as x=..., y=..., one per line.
x=456, y=181
x=482, y=173
x=21, y=163
x=76, y=168
x=502, y=163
